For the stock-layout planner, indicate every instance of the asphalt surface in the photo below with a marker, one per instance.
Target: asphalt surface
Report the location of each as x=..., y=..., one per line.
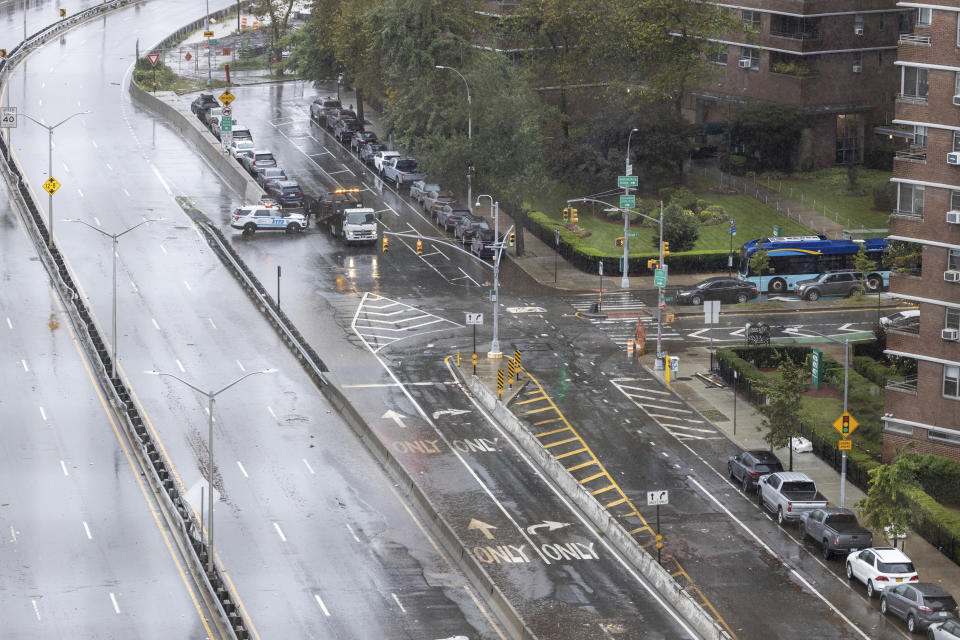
x=83, y=550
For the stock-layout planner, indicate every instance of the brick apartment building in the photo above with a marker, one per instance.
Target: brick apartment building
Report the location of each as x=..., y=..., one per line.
x=832, y=58
x=926, y=411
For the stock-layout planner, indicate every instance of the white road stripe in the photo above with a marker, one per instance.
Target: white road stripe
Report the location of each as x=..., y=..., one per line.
x=180, y=364
x=26, y=369
x=63, y=466
x=240, y=364
x=210, y=320
x=397, y=600
x=43, y=414
x=322, y=606
x=349, y=528
x=80, y=192
x=154, y=321
x=36, y=609
x=279, y=532
x=309, y=468
x=97, y=220
x=164, y=249
x=272, y=413
x=113, y=599
x=9, y=323
x=242, y=470
x=187, y=285
x=87, y=529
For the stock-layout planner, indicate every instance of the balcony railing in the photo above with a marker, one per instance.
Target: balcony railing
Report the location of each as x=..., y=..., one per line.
x=914, y=99
x=914, y=155
x=908, y=385
x=909, y=38
x=913, y=215
x=813, y=34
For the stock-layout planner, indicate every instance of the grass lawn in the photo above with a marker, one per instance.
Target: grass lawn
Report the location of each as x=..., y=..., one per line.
x=753, y=220
x=829, y=187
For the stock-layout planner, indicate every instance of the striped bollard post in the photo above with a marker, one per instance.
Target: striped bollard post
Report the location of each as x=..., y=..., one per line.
x=511, y=370
x=516, y=357
x=500, y=382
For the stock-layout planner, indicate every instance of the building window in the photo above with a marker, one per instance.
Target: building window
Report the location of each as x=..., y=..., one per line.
x=955, y=200
x=879, y=59
x=858, y=25
x=857, y=62
x=751, y=19
x=950, y=438
x=953, y=260
x=919, y=136
x=752, y=56
x=719, y=54
x=914, y=83
x=951, y=381
x=953, y=319
x=794, y=27
x=910, y=199
x=882, y=16
x=906, y=22
x=923, y=16
x=956, y=140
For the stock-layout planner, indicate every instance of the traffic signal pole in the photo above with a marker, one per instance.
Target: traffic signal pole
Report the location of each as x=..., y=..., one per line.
x=846, y=383
x=660, y=301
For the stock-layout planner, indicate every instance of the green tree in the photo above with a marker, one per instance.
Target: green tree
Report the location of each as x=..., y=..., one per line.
x=903, y=256
x=760, y=265
x=782, y=414
x=278, y=12
x=888, y=496
x=680, y=228
x=769, y=133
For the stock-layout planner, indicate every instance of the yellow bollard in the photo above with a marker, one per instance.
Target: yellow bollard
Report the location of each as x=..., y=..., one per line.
x=666, y=368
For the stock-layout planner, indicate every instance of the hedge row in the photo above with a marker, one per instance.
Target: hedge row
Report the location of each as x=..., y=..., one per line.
x=585, y=257
x=940, y=477
x=874, y=371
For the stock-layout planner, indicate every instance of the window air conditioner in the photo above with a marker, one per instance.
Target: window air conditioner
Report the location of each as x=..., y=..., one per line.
x=857, y=68
x=953, y=158
x=950, y=334
x=744, y=63
x=951, y=276
x=956, y=101
x=858, y=31
x=953, y=217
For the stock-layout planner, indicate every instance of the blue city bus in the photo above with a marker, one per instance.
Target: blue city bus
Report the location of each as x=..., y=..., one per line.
x=796, y=258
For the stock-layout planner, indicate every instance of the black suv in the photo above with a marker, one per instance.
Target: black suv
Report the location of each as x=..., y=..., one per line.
x=830, y=283
x=749, y=466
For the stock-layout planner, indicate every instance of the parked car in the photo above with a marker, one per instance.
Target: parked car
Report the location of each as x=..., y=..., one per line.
x=789, y=494
x=436, y=199
x=203, y=101
x=361, y=138
x=879, y=567
x=287, y=192
x=468, y=226
x=242, y=133
x=901, y=318
x=321, y=106
x=259, y=159
x=748, y=467
x=401, y=171
x=267, y=174
x=336, y=115
x=920, y=604
x=345, y=129
x=369, y=151
x=830, y=283
x=420, y=188
x=835, y=530
x=241, y=148
x=719, y=288
x=210, y=115
x=382, y=156
x=450, y=214
x=949, y=630
x=482, y=244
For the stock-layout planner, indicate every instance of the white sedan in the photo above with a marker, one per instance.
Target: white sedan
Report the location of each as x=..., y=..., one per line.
x=878, y=567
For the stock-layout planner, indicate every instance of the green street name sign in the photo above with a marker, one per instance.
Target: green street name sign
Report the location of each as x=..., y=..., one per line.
x=628, y=181
x=659, y=278
x=226, y=123
x=816, y=366
x=633, y=234
x=628, y=202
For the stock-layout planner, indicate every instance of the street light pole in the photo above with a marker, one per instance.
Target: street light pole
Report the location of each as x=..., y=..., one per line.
x=209, y=49
x=50, y=129
x=469, y=130
x=495, y=343
x=115, y=237
x=211, y=396
x=625, y=281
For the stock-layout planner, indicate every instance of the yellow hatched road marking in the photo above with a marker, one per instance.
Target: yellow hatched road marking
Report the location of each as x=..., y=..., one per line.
x=599, y=491
x=643, y=528
x=529, y=400
x=593, y=477
x=548, y=421
x=582, y=465
x=571, y=453
x=559, y=442
x=548, y=433
x=541, y=409
x=614, y=503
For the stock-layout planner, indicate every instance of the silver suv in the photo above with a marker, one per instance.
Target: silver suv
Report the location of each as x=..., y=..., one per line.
x=831, y=283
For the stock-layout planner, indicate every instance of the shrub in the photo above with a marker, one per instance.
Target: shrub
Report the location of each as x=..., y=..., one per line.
x=666, y=194
x=685, y=198
x=873, y=371
x=878, y=158
x=940, y=477
x=807, y=164
x=734, y=164
x=884, y=196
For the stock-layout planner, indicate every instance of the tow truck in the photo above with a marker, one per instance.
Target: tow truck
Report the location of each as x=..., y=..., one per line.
x=342, y=211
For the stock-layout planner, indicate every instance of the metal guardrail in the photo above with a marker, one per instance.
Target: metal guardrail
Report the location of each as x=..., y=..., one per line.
x=909, y=385
x=907, y=38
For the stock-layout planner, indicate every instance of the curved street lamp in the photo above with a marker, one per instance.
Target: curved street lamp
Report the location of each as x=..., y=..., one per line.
x=495, y=207
x=469, y=129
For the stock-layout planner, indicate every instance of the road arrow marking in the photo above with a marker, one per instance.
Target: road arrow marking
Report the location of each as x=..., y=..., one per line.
x=846, y=327
x=549, y=524
x=696, y=334
x=738, y=332
x=483, y=526
x=396, y=417
x=449, y=412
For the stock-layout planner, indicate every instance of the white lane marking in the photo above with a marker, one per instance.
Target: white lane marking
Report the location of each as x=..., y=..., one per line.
x=799, y=577
x=134, y=285
x=442, y=253
x=347, y=168
x=239, y=364
x=94, y=143
x=164, y=249
x=154, y=321
x=26, y=369
x=65, y=167
x=349, y=528
x=242, y=470
x=36, y=609
x=127, y=193
x=162, y=181
x=13, y=534
x=309, y=468
x=43, y=414
x=63, y=466
x=187, y=285
x=397, y=600
x=87, y=529
x=180, y=364
x=270, y=409
x=279, y=532
x=80, y=192
x=210, y=320
x=97, y=220
x=468, y=276
x=9, y=324
x=110, y=168
x=322, y=606
x=334, y=173
x=113, y=599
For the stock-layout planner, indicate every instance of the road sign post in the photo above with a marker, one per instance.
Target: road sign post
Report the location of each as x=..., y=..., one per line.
x=658, y=498
x=733, y=232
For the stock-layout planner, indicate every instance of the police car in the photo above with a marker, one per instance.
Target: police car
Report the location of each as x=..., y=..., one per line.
x=267, y=216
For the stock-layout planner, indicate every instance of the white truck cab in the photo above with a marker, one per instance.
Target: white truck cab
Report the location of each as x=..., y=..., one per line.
x=359, y=225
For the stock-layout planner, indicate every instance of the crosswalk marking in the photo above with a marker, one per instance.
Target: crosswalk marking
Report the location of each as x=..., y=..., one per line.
x=404, y=321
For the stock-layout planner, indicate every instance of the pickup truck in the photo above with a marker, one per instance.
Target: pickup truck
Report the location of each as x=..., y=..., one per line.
x=837, y=531
x=354, y=225
x=789, y=494
x=402, y=171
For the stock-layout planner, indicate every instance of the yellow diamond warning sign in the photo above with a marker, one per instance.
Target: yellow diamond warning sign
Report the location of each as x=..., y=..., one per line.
x=845, y=424
x=226, y=97
x=51, y=185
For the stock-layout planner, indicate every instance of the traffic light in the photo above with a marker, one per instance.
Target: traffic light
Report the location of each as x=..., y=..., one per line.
x=573, y=216
x=666, y=249
x=619, y=242
x=63, y=13
x=3, y=53
x=653, y=264
x=845, y=425
x=566, y=215
x=513, y=239
x=419, y=247
x=386, y=244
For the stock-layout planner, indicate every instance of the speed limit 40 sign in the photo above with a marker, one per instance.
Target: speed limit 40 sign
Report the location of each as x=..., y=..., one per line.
x=8, y=117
